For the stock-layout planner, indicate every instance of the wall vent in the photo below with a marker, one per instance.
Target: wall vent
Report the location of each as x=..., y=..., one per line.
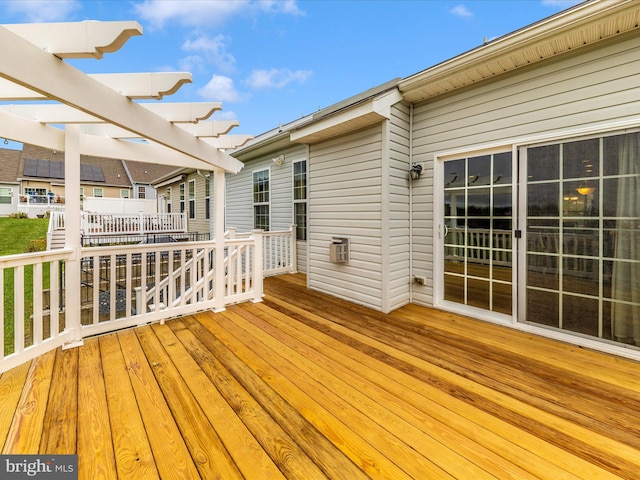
x=339, y=250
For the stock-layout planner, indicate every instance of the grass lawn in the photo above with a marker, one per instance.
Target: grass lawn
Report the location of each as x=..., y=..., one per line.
x=20, y=235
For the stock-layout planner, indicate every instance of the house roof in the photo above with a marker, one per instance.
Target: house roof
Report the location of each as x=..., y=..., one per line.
x=570, y=30
x=94, y=170
x=9, y=163
x=147, y=173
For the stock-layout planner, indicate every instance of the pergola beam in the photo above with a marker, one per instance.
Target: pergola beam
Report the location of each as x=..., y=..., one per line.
x=136, y=86
x=226, y=142
x=61, y=82
x=88, y=39
x=60, y=114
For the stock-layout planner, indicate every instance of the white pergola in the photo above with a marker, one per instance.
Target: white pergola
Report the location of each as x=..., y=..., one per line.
x=99, y=115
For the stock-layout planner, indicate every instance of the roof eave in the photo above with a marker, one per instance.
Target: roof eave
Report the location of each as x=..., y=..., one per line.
x=577, y=27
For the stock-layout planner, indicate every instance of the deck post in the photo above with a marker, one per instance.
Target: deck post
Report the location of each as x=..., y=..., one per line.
x=293, y=252
x=258, y=259
x=218, y=228
x=72, y=240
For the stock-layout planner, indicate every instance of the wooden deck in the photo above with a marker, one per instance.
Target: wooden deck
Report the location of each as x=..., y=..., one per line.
x=306, y=386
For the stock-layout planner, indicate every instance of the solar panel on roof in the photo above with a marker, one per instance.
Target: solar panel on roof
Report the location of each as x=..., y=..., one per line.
x=91, y=173
x=30, y=167
x=56, y=169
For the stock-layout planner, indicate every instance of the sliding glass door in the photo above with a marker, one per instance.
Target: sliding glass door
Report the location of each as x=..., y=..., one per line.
x=578, y=255
x=582, y=210
x=477, y=232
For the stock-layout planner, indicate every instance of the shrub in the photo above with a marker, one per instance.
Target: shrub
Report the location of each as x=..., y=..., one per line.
x=19, y=215
x=38, y=245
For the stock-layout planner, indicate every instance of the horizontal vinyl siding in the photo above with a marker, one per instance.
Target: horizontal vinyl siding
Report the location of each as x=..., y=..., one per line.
x=345, y=197
x=239, y=194
x=398, y=284
x=198, y=224
x=595, y=87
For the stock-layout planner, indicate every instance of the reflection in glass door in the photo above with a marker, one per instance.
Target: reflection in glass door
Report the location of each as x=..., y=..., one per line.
x=478, y=218
x=583, y=237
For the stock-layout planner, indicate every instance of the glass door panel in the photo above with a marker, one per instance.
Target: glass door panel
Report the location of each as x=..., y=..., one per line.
x=478, y=232
x=583, y=240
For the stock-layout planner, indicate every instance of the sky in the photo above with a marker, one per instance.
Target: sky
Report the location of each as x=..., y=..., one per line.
x=271, y=62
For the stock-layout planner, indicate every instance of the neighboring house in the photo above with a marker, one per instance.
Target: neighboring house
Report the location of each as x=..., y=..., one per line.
x=503, y=183
x=34, y=177
x=187, y=191
x=9, y=185
x=142, y=176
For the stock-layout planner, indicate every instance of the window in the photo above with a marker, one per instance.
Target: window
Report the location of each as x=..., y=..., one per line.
x=168, y=199
x=98, y=192
x=81, y=193
x=207, y=198
x=182, y=198
x=124, y=193
x=5, y=196
x=261, y=200
x=142, y=191
x=35, y=191
x=192, y=199
x=300, y=199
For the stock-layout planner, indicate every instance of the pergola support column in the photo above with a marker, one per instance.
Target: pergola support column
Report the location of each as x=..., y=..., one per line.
x=72, y=284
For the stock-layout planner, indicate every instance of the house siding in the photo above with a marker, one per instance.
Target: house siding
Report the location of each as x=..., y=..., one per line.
x=585, y=90
x=239, y=195
x=345, y=197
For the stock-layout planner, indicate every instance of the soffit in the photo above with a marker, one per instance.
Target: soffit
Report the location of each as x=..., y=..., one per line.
x=568, y=31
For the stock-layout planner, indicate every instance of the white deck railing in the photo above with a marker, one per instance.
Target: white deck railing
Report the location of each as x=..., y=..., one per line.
x=40, y=205
x=279, y=250
x=121, y=287
x=101, y=224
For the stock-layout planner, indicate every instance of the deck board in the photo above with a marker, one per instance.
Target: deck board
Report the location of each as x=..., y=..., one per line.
x=307, y=386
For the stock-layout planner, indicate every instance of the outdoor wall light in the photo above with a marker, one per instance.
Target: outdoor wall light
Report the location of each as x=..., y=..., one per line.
x=415, y=172
x=279, y=160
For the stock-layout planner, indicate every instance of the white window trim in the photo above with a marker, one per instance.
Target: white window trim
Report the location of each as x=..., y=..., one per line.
x=190, y=201
x=306, y=198
x=100, y=189
x=182, y=196
x=253, y=203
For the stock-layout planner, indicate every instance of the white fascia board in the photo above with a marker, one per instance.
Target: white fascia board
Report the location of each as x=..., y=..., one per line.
x=87, y=39
x=364, y=113
x=59, y=113
x=61, y=82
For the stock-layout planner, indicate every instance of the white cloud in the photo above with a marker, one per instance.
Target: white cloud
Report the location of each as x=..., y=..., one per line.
x=220, y=89
x=276, y=78
x=209, y=13
x=461, y=11
x=289, y=7
x=208, y=51
x=42, y=10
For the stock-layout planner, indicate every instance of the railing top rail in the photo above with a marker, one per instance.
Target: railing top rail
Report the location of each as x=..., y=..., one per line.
x=147, y=247
x=10, y=261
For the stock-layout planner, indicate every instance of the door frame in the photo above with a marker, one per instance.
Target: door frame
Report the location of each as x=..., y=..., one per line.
x=439, y=230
